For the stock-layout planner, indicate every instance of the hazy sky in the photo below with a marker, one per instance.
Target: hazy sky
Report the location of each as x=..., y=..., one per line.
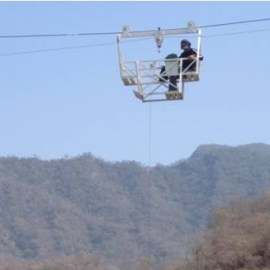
x=72, y=101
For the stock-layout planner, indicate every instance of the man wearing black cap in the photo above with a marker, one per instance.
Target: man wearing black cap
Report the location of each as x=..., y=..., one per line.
x=188, y=64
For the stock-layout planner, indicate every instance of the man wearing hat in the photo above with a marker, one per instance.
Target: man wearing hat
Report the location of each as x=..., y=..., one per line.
x=188, y=63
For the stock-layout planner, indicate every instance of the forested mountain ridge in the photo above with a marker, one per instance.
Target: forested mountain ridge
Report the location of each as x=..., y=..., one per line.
x=85, y=204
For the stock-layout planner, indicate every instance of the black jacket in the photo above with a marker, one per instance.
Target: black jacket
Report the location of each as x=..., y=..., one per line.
x=186, y=63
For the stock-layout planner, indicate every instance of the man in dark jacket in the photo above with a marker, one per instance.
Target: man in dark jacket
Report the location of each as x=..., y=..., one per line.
x=188, y=64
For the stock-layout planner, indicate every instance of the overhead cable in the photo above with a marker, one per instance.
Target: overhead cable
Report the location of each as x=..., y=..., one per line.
x=115, y=33
x=237, y=33
x=113, y=43
x=233, y=23
x=57, y=35
x=57, y=49
x=67, y=48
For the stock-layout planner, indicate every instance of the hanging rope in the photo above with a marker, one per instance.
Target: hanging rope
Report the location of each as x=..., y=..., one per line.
x=149, y=186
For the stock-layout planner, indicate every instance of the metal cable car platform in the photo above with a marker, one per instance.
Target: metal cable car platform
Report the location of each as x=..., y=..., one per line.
x=161, y=79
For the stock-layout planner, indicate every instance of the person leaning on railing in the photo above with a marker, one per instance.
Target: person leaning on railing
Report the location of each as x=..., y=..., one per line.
x=190, y=54
x=188, y=64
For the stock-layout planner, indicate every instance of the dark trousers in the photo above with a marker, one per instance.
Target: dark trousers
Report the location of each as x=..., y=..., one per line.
x=172, y=80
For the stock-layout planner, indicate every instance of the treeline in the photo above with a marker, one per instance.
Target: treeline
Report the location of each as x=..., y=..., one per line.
x=81, y=261
x=238, y=237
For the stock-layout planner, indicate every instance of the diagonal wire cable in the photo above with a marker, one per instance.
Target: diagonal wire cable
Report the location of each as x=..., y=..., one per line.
x=56, y=49
x=113, y=43
x=115, y=33
x=67, y=48
x=237, y=33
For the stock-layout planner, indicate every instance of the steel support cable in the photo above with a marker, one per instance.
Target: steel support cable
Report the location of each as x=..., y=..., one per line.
x=67, y=48
x=115, y=33
x=233, y=23
x=113, y=43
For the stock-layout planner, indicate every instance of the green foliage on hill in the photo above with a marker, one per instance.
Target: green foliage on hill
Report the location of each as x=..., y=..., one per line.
x=85, y=204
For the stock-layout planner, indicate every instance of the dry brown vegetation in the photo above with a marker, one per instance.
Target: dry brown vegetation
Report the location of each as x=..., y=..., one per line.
x=79, y=262
x=238, y=237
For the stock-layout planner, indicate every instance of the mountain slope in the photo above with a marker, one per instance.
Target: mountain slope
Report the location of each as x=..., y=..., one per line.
x=120, y=210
